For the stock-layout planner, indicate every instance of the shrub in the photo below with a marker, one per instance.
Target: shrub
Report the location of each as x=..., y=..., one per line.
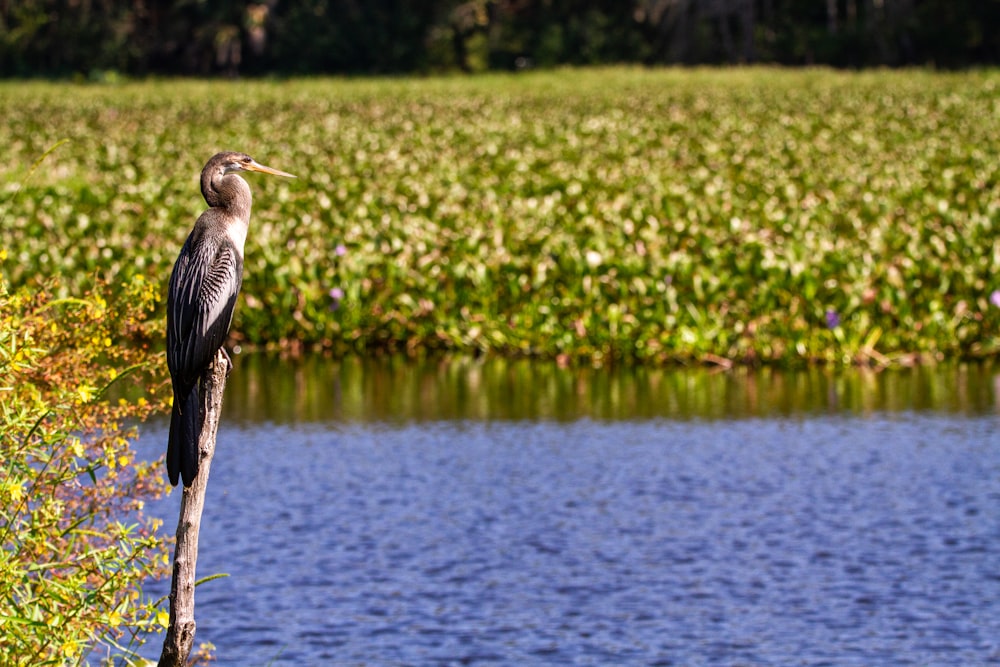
x=76, y=546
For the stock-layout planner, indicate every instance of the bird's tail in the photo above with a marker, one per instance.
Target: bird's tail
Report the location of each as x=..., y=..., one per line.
x=182, y=445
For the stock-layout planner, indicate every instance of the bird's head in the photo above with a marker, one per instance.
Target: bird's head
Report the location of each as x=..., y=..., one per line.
x=232, y=162
x=219, y=190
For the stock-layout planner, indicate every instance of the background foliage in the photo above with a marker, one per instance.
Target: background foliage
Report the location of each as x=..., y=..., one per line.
x=658, y=216
x=99, y=38
x=76, y=549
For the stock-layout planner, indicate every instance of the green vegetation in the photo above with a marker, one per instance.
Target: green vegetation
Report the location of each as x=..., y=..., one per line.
x=76, y=548
x=760, y=216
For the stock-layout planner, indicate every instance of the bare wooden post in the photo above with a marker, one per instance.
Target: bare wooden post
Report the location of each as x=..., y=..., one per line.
x=180, y=633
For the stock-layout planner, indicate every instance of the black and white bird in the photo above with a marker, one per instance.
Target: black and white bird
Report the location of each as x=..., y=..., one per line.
x=203, y=288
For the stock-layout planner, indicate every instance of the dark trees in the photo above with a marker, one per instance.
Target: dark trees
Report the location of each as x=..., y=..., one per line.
x=92, y=37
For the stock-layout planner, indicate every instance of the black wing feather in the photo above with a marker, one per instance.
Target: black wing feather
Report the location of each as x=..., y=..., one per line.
x=204, y=286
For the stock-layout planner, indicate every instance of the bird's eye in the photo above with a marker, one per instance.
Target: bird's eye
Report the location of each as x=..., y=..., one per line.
x=247, y=160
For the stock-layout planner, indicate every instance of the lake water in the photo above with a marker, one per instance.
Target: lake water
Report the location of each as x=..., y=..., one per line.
x=516, y=513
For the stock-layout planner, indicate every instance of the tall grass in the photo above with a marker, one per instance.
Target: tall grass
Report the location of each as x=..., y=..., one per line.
x=759, y=215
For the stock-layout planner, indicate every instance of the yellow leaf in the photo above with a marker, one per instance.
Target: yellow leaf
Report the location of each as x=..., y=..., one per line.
x=14, y=490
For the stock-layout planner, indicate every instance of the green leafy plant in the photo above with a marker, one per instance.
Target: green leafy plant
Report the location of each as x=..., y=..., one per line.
x=598, y=215
x=76, y=548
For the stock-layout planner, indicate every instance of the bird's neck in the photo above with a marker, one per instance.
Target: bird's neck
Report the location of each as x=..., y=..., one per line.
x=237, y=233
x=230, y=192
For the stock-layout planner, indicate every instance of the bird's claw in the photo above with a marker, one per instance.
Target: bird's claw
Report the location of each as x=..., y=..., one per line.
x=222, y=357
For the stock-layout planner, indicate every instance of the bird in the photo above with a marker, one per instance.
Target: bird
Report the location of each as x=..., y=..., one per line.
x=204, y=286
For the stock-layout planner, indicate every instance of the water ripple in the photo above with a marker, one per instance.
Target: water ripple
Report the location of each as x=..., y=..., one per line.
x=819, y=541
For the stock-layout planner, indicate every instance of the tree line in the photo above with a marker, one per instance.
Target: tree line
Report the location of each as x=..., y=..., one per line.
x=286, y=37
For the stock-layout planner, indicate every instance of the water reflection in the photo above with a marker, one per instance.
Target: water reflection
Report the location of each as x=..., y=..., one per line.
x=385, y=512
x=266, y=388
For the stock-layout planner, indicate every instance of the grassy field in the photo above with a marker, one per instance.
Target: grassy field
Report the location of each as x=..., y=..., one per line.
x=761, y=216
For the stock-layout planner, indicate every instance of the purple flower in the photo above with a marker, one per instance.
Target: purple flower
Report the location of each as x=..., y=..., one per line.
x=340, y=250
x=336, y=294
x=995, y=298
x=832, y=319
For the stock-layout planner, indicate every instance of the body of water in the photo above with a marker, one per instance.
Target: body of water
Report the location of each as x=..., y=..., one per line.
x=390, y=514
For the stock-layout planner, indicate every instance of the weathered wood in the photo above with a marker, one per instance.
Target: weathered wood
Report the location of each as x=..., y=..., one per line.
x=180, y=632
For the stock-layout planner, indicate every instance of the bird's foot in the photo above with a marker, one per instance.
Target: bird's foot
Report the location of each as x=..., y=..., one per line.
x=225, y=360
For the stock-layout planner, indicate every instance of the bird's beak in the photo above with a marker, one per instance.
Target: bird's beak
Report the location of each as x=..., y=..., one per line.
x=256, y=166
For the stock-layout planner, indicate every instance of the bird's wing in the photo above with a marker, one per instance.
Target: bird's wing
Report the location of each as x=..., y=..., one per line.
x=203, y=289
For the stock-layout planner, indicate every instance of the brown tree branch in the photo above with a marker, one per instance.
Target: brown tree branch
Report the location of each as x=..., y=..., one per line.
x=180, y=633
